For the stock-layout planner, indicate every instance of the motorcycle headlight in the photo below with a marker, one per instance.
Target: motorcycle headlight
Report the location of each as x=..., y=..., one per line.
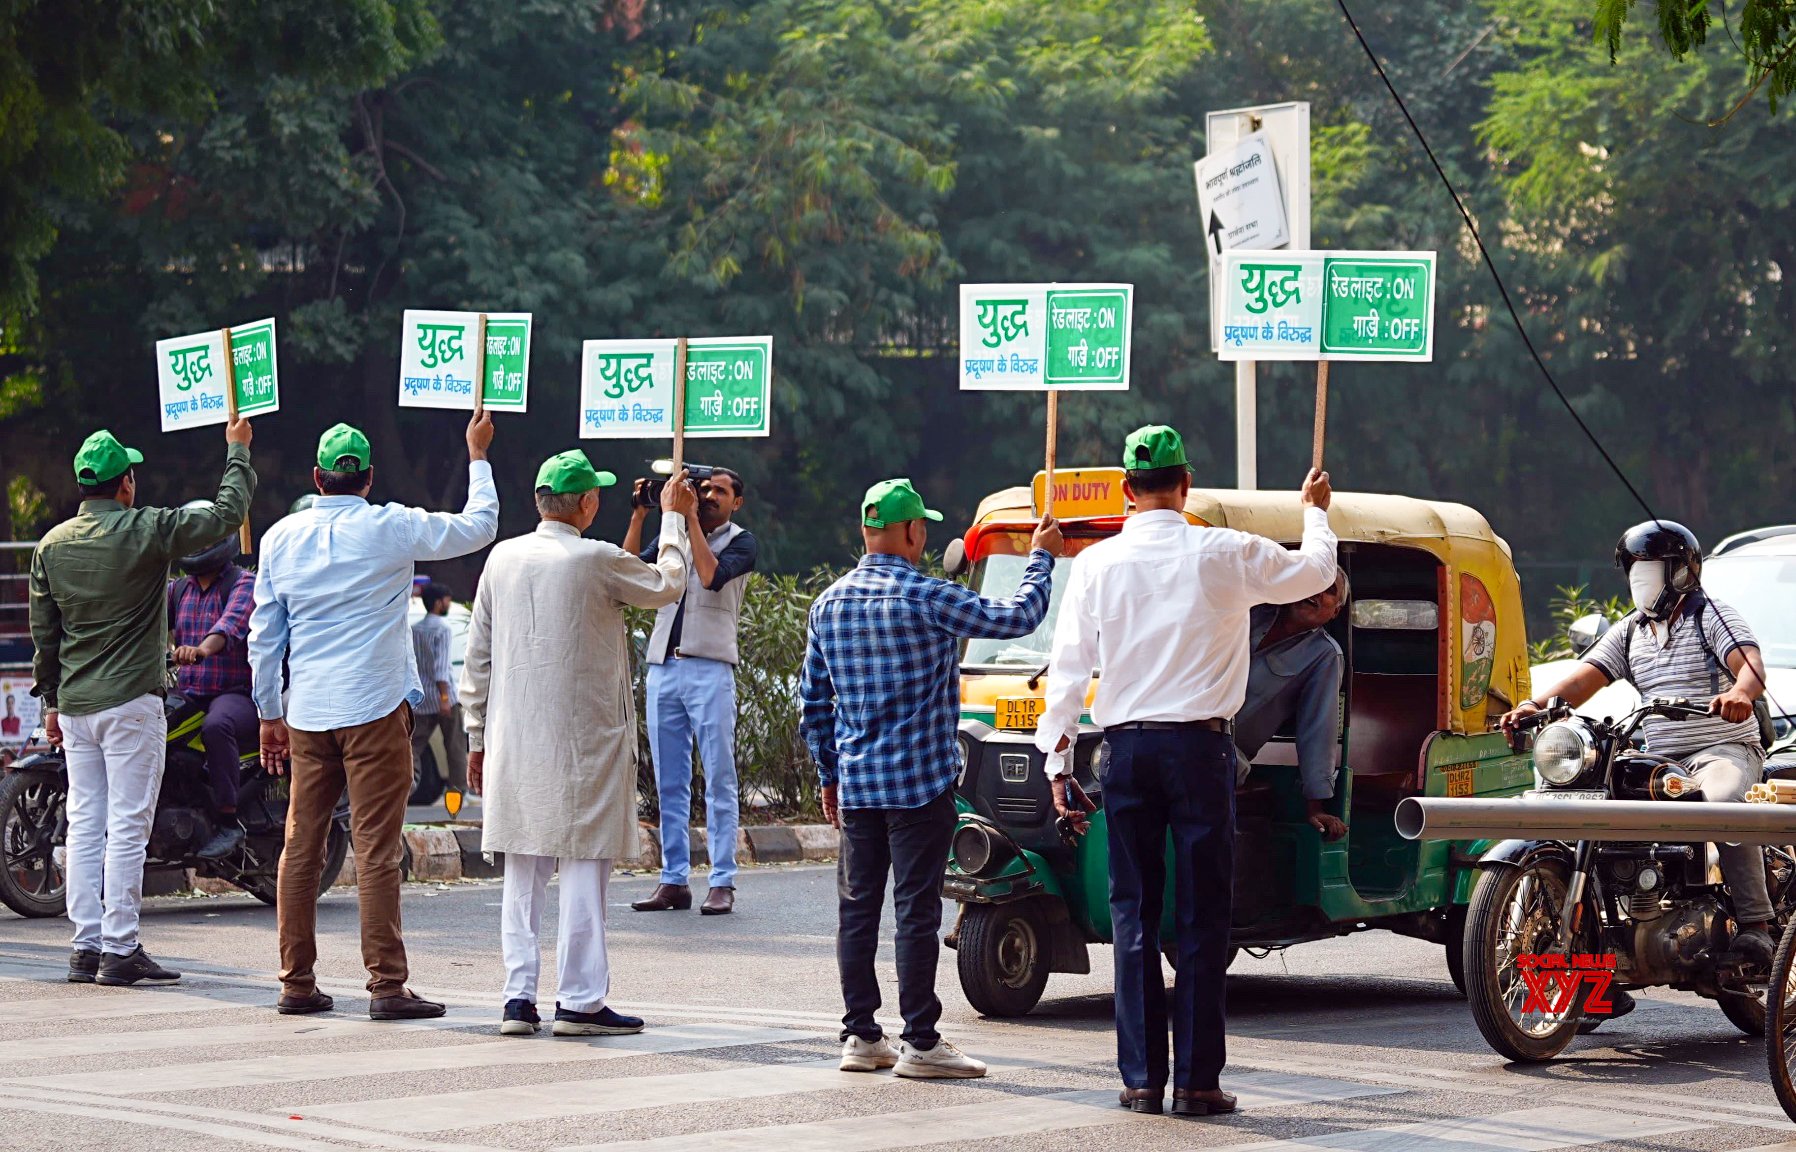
x=1563, y=752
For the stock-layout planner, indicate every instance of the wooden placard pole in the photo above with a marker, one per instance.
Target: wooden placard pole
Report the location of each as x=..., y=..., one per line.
x=679, y=406
x=1321, y=413
x=1047, y=499
x=480, y=373
x=243, y=536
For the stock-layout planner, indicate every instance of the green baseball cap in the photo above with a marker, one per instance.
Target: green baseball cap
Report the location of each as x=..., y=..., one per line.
x=1154, y=446
x=571, y=471
x=341, y=441
x=103, y=458
x=893, y=502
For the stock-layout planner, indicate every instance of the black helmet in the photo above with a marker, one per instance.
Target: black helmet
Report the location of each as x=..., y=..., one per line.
x=1672, y=543
x=207, y=561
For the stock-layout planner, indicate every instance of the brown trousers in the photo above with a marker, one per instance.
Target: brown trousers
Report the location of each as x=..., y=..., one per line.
x=374, y=761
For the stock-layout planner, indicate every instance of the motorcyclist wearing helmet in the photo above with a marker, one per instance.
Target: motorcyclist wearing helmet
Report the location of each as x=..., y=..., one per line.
x=208, y=615
x=1680, y=643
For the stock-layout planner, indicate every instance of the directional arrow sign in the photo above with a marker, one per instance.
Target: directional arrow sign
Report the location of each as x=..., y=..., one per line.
x=1215, y=231
x=1237, y=194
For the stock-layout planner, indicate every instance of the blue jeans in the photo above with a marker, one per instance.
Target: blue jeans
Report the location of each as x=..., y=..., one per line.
x=689, y=697
x=1182, y=781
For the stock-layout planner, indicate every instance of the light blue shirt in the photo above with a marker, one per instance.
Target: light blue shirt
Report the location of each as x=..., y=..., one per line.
x=332, y=591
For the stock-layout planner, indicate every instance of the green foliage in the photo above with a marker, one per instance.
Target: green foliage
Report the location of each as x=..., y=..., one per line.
x=1766, y=40
x=1571, y=605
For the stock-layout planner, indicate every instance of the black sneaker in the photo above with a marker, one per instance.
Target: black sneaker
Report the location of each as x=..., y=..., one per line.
x=224, y=842
x=520, y=1018
x=83, y=966
x=137, y=968
x=604, y=1022
x=1621, y=1003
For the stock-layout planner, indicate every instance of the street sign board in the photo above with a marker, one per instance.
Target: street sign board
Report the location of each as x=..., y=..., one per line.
x=190, y=376
x=440, y=357
x=1328, y=305
x=1239, y=201
x=1286, y=130
x=1034, y=337
x=627, y=387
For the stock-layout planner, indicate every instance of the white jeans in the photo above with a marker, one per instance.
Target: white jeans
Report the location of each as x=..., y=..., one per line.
x=583, y=972
x=114, y=762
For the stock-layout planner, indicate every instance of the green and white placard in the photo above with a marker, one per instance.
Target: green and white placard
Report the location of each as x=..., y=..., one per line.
x=440, y=358
x=1034, y=337
x=191, y=373
x=627, y=387
x=1328, y=305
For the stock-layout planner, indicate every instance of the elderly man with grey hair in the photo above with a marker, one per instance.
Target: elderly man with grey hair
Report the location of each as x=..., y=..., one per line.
x=552, y=735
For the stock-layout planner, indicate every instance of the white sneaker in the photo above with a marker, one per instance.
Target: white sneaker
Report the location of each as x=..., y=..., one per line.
x=943, y=1062
x=867, y=1056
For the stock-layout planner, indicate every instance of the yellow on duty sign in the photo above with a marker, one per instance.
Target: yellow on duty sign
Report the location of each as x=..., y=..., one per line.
x=1082, y=492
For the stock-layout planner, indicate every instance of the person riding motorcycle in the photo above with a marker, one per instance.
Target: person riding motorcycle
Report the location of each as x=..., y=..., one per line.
x=208, y=617
x=1680, y=643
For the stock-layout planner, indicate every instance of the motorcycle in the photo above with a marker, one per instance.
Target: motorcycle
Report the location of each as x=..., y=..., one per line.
x=1555, y=926
x=34, y=823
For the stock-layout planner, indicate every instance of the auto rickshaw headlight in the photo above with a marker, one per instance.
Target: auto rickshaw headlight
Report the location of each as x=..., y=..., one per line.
x=965, y=748
x=1563, y=752
x=980, y=852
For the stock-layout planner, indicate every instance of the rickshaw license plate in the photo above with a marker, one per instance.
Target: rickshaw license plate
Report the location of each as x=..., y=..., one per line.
x=1019, y=712
x=1574, y=794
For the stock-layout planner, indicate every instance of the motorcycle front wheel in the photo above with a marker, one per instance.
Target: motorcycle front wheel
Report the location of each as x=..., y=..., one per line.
x=31, y=805
x=1780, y=1025
x=1514, y=913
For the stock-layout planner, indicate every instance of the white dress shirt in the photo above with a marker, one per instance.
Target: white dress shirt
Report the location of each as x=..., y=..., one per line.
x=332, y=591
x=1162, y=609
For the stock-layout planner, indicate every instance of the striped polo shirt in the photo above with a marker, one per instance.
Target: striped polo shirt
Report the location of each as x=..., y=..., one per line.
x=1669, y=660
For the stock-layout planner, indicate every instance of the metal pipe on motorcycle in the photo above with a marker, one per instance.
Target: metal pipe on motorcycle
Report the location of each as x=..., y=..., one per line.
x=1444, y=818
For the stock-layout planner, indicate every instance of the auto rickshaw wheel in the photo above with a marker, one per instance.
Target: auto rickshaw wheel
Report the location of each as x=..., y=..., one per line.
x=1003, y=957
x=1515, y=913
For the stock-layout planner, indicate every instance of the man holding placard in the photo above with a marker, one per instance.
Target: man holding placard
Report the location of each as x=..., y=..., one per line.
x=1163, y=608
x=99, y=625
x=331, y=597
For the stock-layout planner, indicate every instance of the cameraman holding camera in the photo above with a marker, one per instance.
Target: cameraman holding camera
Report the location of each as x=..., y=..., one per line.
x=692, y=686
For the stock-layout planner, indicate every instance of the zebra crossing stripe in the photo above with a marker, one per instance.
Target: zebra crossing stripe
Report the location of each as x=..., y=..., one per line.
x=1527, y=1130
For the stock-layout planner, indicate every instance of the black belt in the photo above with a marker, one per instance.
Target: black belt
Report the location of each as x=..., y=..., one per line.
x=1226, y=727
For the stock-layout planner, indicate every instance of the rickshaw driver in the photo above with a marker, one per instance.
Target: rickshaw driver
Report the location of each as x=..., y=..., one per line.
x=1296, y=677
x=1678, y=643
x=1163, y=608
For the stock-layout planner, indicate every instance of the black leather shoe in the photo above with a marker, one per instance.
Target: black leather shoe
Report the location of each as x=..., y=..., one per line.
x=224, y=842
x=667, y=898
x=305, y=1005
x=407, y=1007
x=1622, y=1004
x=137, y=968
x=83, y=966
x=1149, y=1100
x=718, y=902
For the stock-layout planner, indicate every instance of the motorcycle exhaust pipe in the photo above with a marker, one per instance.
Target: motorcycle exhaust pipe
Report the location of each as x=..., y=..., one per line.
x=1460, y=818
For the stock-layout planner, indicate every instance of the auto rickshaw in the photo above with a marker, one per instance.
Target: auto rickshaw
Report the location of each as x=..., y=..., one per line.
x=1436, y=649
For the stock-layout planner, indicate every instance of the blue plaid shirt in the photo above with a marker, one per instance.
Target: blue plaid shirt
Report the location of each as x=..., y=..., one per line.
x=881, y=685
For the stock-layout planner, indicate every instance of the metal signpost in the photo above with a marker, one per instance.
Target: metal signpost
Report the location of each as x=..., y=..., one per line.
x=1236, y=217
x=1046, y=337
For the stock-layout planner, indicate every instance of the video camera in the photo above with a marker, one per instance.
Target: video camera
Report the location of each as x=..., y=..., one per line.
x=649, y=495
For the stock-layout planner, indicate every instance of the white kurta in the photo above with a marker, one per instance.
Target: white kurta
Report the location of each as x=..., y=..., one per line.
x=546, y=693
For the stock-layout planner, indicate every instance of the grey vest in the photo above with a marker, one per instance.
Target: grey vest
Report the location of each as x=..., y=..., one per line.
x=709, y=629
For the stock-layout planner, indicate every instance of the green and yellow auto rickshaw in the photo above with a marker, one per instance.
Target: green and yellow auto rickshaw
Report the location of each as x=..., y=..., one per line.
x=1436, y=649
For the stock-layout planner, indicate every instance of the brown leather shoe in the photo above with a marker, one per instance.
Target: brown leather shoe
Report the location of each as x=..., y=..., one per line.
x=409, y=1006
x=304, y=1005
x=1191, y=1102
x=667, y=898
x=718, y=902
x=1149, y=1100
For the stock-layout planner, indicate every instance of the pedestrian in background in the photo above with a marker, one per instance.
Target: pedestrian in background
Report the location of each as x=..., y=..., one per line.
x=881, y=693
x=208, y=620
x=1163, y=609
x=99, y=627
x=331, y=597
x=551, y=720
x=440, y=710
x=692, y=692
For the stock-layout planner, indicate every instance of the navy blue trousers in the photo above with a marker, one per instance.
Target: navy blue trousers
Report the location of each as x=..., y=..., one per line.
x=1183, y=782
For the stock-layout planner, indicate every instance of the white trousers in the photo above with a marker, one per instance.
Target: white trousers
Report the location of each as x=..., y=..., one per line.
x=114, y=762
x=582, y=970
